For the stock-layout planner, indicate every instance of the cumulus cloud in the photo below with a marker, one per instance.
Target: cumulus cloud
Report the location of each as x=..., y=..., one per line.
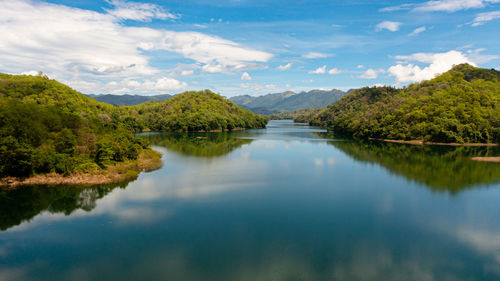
x=417, y=31
x=371, y=74
x=319, y=70
x=388, y=25
x=334, y=71
x=437, y=63
x=482, y=18
x=138, y=11
x=246, y=76
x=315, y=55
x=73, y=44
x=285, y=67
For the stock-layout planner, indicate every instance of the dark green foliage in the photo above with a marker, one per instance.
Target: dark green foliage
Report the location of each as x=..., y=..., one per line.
x=461, y=106
x=190, y=111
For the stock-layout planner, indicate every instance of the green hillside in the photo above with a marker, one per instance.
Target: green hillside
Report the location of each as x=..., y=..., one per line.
x=459, y=106
x=47, y=127
x=190, y=111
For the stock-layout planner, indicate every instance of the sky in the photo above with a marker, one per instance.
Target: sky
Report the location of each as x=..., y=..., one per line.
x=237, y=47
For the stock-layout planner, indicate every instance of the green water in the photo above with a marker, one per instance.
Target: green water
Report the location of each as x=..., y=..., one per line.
x=284, y=203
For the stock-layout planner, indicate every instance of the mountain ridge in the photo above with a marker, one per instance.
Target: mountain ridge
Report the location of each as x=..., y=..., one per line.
x=288, y=101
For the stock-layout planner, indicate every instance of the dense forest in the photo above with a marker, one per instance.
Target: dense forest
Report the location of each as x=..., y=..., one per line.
x=190, y=111
x=46, y=126
x=459, y=106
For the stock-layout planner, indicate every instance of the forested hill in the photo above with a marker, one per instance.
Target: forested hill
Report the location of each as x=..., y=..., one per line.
x=288, y=101
x=459, y=106
x=119, y=100
x=46, y=126
x=190, y=111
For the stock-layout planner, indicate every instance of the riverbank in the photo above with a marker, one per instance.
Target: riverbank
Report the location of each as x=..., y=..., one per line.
x=487, y=159
x=421, y=142
x=148, y=160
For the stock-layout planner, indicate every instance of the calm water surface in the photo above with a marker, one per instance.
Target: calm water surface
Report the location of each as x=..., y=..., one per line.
x=284, y=203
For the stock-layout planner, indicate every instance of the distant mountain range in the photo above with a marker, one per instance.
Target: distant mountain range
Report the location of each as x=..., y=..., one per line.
x=267, y=104
x=288, y=101
x=129, y=99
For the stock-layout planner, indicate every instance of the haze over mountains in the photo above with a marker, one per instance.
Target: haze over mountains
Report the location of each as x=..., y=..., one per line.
x=267, y=104
x=288, y=101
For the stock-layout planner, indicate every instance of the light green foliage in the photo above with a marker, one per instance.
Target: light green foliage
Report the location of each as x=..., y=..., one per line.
x=190, y=111
x=46, y=126
x=461, y=105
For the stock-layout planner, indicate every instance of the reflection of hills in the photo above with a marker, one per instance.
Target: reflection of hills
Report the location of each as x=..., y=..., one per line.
x=442, y=168
x=24, y=203
x=198, y=144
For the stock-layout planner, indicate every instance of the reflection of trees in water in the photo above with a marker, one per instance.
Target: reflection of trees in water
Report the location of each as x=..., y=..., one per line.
x=198, y=144
x=24, y=203
x=441, y=168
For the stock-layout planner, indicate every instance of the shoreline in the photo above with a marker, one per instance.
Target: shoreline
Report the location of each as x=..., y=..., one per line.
x=421, y=142
x=487, y=159
x=199, y=131
x=147, y=161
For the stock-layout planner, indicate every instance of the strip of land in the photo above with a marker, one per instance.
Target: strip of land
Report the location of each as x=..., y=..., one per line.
x=148, y=160
x=421, y=142
x=487, y=159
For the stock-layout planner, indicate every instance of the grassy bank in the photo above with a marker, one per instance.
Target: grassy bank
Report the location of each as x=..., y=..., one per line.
x=128, y=170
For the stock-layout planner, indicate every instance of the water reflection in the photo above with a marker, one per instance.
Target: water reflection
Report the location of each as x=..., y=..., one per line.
x=198, y=144
x=24, y=203
x=284, y=205
x=440, y=168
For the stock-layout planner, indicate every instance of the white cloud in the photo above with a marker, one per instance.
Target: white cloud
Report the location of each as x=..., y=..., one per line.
x=438, y=63
x=417, y=31
x=441, y=6
x=485, y=17
x=360, y=66
x=477, y=57
x=167, y=83
x=138, y=11
x=285, y=67
x=187, y=72
x=319, y=70
x=389, y=25
x=334, y=71
x=315, y=55
x=370, y=74
x=397, y=8
x=246, y=76
x=79, y=46
x=200, y=25
x=452, y=5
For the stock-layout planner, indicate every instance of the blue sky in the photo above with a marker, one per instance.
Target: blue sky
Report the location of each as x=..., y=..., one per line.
x=244, y=47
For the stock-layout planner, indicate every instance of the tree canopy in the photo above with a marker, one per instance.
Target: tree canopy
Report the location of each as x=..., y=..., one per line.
x=459, y=106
